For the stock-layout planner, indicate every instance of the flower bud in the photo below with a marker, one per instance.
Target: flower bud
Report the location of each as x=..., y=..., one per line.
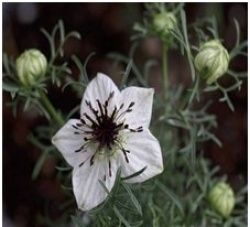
x=221, y=197
x=164, y=22
x=212, y=60
x=31, y=65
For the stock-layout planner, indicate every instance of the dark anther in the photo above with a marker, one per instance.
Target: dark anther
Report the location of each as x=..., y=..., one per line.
x=90, y=119
x=131, y=104
x=119, y=125
x=81, y=164
x=121, y=106
x=95, y=112
x=92, y=160
x=100, y=107
x=78, y=150
x=79, y=124
x=85, y=138
x=84, y=122
x=125, y=154
x=88, y=132
x=111, y=95
x=113, y=113
x=110, y=173
x=76, y=133
x=127, y=151
x=139, y=129
x=75, y=127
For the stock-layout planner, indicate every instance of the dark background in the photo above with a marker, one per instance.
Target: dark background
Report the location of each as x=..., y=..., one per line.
x=105, y=27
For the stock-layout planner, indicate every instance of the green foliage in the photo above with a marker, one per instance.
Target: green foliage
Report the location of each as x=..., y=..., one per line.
x=181, y=121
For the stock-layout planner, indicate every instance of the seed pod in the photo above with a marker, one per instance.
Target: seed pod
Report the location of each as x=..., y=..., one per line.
x=31, y=65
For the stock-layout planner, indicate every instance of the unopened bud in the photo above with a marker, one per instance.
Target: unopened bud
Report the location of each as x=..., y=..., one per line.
x=164, y=22
x=31, y=66
x=221, y=198
x=212, y=60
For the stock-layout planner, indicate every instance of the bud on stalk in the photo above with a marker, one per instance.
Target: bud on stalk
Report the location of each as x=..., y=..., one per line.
x=221, y=198
x=31, y=66
x=164, y=22
x=212, y=61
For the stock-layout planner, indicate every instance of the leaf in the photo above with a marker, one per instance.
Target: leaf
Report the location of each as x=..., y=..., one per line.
x=133, y=198
x=63, y=168
x=172, y=196
x=77, y=221
x=39, y=164
x=104, y=187
x=73, y=111
x=62, y=35
x=189, y=54
x=214, y=138
x=85, y=66
x=10, y=87
x=27, y=104
x=79, y=65
x=193, y=145
x=73, y=34
x=73, y=83
x=211, y=88
x=135, y=70
x=51, y=43
x=67, y=188
x=237, y=27
x=6, y=64
x=126, y=74
x=121, y=218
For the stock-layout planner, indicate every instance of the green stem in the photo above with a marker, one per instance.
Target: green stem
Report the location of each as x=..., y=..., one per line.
x=165, y=68
x=50, y=108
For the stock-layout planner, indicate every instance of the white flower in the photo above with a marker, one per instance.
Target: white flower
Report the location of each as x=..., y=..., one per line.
x=111, y=133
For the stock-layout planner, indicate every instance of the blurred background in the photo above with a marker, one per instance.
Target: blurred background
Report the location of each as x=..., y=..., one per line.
x=105, y=28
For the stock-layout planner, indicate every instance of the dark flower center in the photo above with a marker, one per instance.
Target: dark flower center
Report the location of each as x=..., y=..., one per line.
x=105, y=133
x=103, y=127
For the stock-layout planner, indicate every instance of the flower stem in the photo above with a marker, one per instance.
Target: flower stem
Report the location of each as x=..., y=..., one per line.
x=50, y=108
x=165, y=68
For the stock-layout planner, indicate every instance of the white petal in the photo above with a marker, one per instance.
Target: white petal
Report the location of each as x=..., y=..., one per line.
x=67, y=142
x=88, y=191
x=142, y=109
x=145, y=151
x=100, y=88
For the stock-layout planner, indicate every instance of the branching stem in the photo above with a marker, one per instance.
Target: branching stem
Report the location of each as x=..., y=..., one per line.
x=165, y=68
x=51, y=110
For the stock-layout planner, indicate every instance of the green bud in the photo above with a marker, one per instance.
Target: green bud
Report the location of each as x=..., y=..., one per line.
x=31, y=65
x=164, y=22
x=221, y=197
x=212, y=60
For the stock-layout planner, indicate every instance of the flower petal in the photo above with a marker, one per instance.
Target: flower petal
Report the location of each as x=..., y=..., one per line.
x=144, y=151
x=69, y=143
x=100, y=88
x=88, y=190
x=142, y=109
